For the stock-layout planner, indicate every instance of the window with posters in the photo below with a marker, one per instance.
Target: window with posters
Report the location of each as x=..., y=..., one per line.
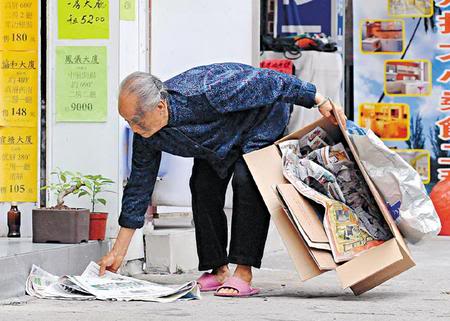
x=401, y=79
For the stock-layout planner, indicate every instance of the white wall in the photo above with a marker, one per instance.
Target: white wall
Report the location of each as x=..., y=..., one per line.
x=133, y=55
x=185, y=34
x=99, y=147
x=86, y=147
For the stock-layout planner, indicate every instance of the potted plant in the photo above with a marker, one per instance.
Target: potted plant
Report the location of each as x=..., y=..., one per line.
x=62, y=224
x=96, y=184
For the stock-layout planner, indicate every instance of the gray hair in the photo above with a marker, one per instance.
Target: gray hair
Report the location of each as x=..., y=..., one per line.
x=149, y=90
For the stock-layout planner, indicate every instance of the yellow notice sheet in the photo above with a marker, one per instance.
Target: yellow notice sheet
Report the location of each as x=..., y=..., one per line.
x=18, y=24
x=18, y=164
x=19, y=88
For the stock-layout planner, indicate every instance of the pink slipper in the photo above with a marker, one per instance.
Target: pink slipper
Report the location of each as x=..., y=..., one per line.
x=208, y=282
x=244, y=289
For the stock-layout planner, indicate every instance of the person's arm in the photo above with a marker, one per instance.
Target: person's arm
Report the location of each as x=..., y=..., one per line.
x=113, y=260
x=231, y=90
x=139, y=188
x=135, y=200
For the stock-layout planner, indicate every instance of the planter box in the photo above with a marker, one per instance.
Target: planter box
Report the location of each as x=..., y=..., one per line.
x=68, y=226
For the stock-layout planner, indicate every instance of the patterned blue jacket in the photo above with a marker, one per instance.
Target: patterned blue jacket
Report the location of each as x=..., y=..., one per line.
x=216, y=112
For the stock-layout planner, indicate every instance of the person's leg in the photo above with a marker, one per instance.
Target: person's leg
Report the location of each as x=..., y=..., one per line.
x=208, y=200
x=250, y=224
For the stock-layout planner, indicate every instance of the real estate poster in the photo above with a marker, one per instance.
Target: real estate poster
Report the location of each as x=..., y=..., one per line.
x=83, y=19
x=19, y=24
x=401, y=80
x=19, y=91
x=18, y=169
x=128, y=10
x=81, y=84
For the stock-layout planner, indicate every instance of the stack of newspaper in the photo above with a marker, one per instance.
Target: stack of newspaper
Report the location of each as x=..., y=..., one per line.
x=323, y=172
x=111, y=286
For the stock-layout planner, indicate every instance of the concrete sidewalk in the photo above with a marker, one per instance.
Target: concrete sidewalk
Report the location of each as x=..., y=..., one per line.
x=418, y=294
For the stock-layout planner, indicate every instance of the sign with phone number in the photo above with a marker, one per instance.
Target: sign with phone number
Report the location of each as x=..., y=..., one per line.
x=81, y=84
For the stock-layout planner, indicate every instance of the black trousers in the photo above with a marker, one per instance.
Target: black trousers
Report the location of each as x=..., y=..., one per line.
x=250, y=220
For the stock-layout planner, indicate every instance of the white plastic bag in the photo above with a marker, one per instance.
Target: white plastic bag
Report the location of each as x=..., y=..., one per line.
x=399, y=184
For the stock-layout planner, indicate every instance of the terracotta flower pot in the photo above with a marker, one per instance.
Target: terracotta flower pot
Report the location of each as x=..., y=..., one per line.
x=68, y=226
x=97, y=226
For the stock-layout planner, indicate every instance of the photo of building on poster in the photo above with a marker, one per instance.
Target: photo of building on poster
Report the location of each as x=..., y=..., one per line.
x=410, y=8
x=382, y=36
x=387, y=121
x=403, y=95
x=407, y=78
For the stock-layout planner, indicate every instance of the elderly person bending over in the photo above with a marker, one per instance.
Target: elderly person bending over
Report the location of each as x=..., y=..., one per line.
x=214, y=114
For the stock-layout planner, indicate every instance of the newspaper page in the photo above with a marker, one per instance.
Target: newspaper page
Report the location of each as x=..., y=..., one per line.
x=326, y=175
x=313, y=140
x=118, y=287
x=337, y=216
x=349, y=239
x=317, y=181
x=357, y=195
x=44, y=285
x=111, y=286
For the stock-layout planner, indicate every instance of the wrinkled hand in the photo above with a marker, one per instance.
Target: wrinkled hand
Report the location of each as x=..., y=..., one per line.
x=113, y=260
x=110, y=262
x=327, y=110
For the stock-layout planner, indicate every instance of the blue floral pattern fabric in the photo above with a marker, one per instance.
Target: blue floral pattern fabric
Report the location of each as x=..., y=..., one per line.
x=216, y=112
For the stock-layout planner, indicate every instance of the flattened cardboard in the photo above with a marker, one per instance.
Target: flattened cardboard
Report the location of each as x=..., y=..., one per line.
x=259, y=163
x=372, y=262
x=323, y=258
x=309, y=224
x=384, y=275
x=324, y=123
x=362, y=273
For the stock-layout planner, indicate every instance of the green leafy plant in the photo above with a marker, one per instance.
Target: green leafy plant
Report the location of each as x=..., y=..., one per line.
x=67, y=183
x=94, y=185
x=75, y=183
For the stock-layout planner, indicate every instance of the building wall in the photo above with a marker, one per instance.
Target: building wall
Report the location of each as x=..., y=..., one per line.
x=27, y=207
x=185, y=34
x=91, y=148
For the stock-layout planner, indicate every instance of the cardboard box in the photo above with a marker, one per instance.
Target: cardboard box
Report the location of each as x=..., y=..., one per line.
x=364, y=272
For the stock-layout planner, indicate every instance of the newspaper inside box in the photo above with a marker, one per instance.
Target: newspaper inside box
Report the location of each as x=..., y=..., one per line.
x=362, y=273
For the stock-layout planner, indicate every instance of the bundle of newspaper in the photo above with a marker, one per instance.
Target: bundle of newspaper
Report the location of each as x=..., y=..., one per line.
x=352, y=186
x=315, y=139
x=111, y=286
x=327, y=175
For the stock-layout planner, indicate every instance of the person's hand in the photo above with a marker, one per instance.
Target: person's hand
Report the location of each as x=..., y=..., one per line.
x=113, y=260
x=326, y=109
x=110, y=262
